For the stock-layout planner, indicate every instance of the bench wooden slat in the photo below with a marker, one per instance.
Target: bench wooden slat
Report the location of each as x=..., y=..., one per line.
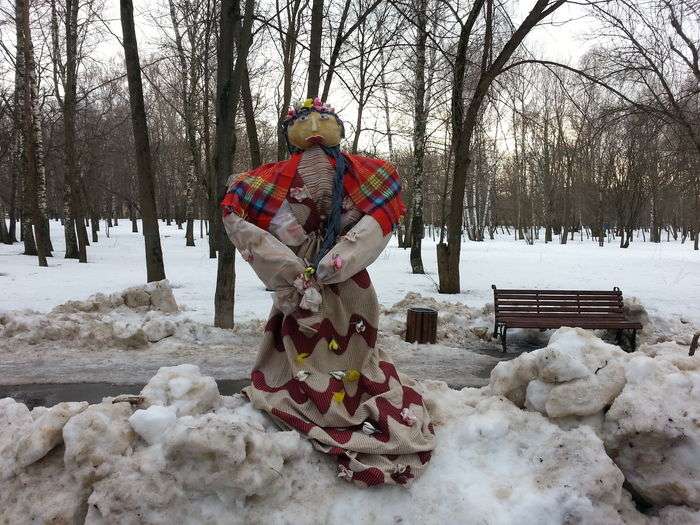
x=558, y=292
x=549, y=302
x=563, y=321
x=566, y=313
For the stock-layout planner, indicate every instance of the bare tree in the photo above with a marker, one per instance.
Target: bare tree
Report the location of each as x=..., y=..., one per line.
x=154, y=255
x=228, y=89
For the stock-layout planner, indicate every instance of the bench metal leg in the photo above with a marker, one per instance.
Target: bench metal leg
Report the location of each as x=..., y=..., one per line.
x=495, y=328
x=503, y=338
x=633, y=340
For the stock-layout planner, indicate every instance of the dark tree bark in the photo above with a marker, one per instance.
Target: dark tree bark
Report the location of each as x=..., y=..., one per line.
x=251, y=128
x=228, y=90
x=78, y=245
x=419, y=125
x=288, y=42
x=315, y=49
x=13, y=207
x=154, y=254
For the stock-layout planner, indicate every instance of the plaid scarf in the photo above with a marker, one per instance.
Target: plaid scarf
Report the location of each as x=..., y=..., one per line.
x=372, y=184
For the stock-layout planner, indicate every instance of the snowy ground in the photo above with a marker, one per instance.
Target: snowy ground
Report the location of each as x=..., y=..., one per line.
x=665, y=277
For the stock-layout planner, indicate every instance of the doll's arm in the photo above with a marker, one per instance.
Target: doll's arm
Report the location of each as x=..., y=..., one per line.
x=275, y=264
x=354, y=252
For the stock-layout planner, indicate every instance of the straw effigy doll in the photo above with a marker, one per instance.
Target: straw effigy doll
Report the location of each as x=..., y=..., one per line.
x=309, y=226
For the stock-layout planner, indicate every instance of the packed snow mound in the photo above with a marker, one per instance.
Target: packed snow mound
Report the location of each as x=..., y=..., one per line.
x=577, y=374
x=644, y=405
x=457, y=325
x=659, y=329
x=186, y=456
x=652, y=429
x=131, y=319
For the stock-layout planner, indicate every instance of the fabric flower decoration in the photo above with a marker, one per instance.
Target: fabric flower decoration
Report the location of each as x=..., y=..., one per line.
x=408, y=417
x=399, y=468
x=299, y=194
x=302, y=375
x=247, y=255
x=311, y=300
x=300, y=357
x=345, y=473
x=337, y=262
x=300, y=283
x=338, y=374
x=360, y=326
x=333, y=345
x=368, y=428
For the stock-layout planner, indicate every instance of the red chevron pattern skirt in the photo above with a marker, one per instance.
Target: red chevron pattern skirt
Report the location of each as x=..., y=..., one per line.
x=323, y=376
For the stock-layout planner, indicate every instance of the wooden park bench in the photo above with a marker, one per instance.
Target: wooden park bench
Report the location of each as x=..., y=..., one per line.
x=548, y=309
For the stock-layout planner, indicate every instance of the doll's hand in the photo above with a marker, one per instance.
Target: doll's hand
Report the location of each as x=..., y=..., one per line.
x=309, y=288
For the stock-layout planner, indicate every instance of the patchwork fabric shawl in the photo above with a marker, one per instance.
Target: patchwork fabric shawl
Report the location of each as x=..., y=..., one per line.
x=372, y=184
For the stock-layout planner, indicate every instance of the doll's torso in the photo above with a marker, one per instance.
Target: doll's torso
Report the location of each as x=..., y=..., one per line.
x=317, y=173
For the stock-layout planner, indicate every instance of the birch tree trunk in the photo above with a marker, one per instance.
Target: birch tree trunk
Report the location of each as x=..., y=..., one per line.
x=31, y=132
x=420, y=118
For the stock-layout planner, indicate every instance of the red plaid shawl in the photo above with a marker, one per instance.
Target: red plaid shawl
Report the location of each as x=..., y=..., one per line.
x=372, y=184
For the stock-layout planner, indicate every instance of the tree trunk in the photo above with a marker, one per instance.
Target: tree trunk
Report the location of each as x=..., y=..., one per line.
x=419, y=126
x=154, y=255
x=251, y=128
x=4, y=233
x=315, y=49
x=228, y=89
x=31, y=131
x=189, y=204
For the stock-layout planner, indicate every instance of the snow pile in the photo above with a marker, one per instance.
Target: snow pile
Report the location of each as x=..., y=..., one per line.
x=458, y=325
x=645, y=406
x=657, y=328
x=131, y=319
x=128, y=319
x=577, y=375
x=652, y=430
x=189, y=455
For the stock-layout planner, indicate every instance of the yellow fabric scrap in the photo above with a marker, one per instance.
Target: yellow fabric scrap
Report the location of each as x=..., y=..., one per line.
x=352, y=375
x=300, y=357
x=333, y=345
x=338, y=397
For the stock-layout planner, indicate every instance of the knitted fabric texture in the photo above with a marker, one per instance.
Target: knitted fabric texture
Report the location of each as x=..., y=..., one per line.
x=372, y=184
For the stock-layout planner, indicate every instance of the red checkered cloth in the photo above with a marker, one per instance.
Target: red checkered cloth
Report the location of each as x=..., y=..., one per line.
x=372, y=184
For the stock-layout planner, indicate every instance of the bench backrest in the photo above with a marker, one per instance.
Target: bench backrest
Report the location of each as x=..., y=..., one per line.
x=558, y=303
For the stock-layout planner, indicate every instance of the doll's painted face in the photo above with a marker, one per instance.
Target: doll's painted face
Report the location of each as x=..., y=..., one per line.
x=313, y=128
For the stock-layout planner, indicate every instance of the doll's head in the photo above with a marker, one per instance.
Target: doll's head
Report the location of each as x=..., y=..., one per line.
x=310, y=123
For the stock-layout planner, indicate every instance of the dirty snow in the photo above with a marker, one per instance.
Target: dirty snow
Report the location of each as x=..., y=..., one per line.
x=126, y=336
x=186, y=454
